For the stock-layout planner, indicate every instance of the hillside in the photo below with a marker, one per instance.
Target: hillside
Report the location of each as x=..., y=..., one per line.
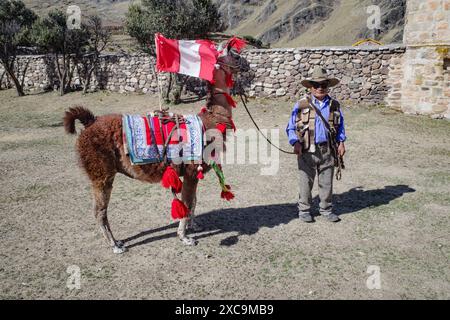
x=312, y=23
x=111, y=11
x=282, y=23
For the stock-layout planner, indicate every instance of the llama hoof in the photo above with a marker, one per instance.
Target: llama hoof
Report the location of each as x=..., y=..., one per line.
x=188, y=241
x=120, y=243
x=119, y=250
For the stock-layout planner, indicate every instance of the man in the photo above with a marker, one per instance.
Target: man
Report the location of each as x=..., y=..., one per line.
x=311, y=136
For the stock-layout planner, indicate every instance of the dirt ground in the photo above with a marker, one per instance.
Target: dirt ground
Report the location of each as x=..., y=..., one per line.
x=394, y=202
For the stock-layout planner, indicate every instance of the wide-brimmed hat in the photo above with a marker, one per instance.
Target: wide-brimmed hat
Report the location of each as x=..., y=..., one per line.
x=319, y=75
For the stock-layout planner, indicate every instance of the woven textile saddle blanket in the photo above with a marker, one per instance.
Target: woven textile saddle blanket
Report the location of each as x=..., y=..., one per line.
x=144, y=137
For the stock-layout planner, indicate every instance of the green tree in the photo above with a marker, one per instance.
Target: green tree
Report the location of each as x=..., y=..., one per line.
x=53, y=35
x=15, y=22
x=175, y=19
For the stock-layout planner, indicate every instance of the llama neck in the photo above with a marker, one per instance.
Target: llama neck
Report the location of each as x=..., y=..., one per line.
x=218, y=107
x=217, y=110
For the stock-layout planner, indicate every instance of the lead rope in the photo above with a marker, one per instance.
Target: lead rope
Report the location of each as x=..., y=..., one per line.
x=339, y=169
x=246, y=109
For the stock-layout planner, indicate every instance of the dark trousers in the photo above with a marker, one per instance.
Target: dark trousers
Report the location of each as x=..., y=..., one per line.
x=320, y=163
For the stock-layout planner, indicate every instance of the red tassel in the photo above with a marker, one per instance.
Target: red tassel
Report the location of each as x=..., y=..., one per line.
x=203, y=110
x=237, y=43
x=179, y=209
x=200, y=175
x=170, y=179
x=227, y=195
x=221, y=127
x=229, y=80
x=230, y=100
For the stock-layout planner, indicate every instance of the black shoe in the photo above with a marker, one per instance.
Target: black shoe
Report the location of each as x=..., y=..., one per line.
x=306, y=217
x=332, y=217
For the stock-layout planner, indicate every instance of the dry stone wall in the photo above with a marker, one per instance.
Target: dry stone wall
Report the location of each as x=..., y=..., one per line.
x=363, y=71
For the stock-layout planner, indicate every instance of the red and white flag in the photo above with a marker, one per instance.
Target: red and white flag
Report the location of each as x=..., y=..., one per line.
x=195, y=58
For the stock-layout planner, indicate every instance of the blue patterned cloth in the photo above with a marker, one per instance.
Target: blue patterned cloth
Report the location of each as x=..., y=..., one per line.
x=136, y=132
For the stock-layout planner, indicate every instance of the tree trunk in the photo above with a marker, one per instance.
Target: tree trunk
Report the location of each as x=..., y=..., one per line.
x=1, y=78
x=70, y=69
x=88, y=76
x=24, y=71
x=9, y=68
x=19, y=88
x=16, y=81
x=176, y=92
x=169, y=88
x=61, y=74
x=62, y=81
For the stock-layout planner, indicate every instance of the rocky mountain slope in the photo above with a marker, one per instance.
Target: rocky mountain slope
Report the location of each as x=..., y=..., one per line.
x=281, y=23
x=285, y=23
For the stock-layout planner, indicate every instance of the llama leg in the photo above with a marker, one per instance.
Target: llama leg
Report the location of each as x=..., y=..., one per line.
x=102, y=194
x=188, y=195
x=192, y=225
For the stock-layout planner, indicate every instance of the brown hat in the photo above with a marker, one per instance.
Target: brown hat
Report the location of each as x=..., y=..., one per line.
x=319, y=75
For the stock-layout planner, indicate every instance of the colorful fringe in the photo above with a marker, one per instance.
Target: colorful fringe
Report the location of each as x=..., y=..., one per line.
x=226, y=189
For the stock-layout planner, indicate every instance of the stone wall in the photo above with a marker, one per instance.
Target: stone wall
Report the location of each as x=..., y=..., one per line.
x=422, y=80
x=117, y=73
x=363, y=71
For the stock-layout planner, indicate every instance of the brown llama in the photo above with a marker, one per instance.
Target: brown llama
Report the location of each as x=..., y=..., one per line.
x=101, y=151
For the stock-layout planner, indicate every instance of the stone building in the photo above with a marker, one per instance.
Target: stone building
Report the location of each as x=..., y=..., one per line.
x=420, y=80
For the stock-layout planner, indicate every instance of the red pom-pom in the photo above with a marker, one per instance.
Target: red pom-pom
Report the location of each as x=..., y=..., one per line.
x=170, y=179
x=179, y=209
x=227, y=195
x=221, y=127
x=237, y=44
x=200, y=175
x=203, y=110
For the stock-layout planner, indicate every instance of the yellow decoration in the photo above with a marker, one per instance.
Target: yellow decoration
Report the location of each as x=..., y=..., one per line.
x=443, y=51
x=367, y=40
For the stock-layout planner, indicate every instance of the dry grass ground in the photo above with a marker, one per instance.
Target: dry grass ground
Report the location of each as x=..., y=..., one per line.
x=394, y=202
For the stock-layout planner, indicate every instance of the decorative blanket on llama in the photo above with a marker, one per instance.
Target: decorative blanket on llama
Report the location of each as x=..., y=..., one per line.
x=147, y=137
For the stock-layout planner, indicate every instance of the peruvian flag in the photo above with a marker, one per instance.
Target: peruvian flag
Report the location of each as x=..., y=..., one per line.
x=194, y=58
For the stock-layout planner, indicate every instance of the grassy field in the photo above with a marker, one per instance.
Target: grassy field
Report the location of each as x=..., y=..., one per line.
x=394, y=202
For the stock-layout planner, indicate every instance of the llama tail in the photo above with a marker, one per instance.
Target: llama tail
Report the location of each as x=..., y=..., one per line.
x=85, y=116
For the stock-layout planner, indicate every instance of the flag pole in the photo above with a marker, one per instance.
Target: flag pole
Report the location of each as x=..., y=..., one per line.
x=159, y=91
x=157, y=76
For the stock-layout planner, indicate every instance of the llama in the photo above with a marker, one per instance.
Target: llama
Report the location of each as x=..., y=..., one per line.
x=102, y=154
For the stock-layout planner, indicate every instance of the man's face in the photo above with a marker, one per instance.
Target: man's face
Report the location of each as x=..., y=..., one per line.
x=319, y=89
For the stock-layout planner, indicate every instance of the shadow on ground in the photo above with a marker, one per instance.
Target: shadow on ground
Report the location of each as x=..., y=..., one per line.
x=248, y=221
x=357, y=199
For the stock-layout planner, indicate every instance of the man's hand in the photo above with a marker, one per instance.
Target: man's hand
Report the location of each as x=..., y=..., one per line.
x=298, y=148
x=341, y=149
